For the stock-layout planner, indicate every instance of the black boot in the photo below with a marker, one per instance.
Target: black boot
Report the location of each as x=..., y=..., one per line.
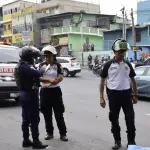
x=117, y=145
x=64, y=138
x=38, y=145
x=27, y=143
x=49, y=136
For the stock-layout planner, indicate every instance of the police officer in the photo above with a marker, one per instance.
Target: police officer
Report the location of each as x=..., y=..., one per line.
x=51, y=94
x=120, y=82
x=27, y=79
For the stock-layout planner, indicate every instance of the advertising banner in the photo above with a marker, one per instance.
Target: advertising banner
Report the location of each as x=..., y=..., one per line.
x=26, y=36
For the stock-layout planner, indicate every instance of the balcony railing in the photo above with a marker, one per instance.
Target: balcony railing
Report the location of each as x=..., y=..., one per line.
x=76, y=30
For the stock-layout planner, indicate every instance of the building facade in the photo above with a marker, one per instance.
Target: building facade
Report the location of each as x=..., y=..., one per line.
x=1, y=25
x=9, y=10
x=26, y=19
x=143, y=11
x=142, y=40
x=77, y=29
x=53, y=7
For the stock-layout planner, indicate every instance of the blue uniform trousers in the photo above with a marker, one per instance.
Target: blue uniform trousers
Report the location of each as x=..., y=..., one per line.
x=30, y=113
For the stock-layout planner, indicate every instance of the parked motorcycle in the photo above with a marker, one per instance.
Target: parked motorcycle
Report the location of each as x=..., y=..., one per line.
x=90, y=65
x=97, y=69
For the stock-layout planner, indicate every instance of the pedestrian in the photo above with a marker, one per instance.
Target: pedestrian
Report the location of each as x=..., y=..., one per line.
x=92, y=47
x=96, y=60
x=51, y=94
x=119, y=75
x=27, y=79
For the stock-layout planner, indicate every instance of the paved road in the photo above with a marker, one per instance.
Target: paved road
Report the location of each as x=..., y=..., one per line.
x=87, y=122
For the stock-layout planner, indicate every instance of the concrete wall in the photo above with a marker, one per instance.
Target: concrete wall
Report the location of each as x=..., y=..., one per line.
x=18, y=4
x=86, y=19
x=82, y=56
x=143, y=12
x=61, y=6
x=75, y=6
x=75, y=40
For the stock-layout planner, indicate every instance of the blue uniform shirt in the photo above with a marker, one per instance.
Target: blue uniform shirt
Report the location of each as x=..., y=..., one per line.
x=26, y=76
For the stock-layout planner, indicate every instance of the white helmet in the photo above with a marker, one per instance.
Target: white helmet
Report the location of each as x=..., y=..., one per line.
x=120, y=45
x=49, y=49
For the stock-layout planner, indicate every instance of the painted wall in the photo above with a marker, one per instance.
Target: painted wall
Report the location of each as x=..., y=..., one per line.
x=144, y=54
x=86, y=19
x=143, y=12
x=7, y=28
x=75, y=40
x=109, y=37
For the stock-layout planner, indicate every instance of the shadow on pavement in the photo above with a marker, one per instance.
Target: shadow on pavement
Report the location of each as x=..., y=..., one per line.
x=8, y=103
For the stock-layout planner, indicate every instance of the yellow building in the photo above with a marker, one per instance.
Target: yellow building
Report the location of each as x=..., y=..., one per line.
x=25, y=21
x=8, y=11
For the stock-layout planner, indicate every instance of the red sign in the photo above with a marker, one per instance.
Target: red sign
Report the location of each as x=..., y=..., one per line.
x=7, y=70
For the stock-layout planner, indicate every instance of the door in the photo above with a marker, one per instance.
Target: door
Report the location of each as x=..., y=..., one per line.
x=142, y=80
x=145, y=90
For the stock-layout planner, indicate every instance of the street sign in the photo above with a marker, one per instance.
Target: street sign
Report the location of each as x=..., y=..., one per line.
x=26, y=36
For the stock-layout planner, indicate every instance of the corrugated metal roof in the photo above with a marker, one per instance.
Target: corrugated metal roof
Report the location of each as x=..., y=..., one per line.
x=71, y=13
x=136, y=27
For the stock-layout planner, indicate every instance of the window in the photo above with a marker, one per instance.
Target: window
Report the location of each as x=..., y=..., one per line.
x=148, y=30
x=138, y=36
x=9, y=11
x=62, y=60
x=5, y=27
x=74, y=60
x=9, y=27
x=18, y=9
x=5, y=12
x=9, y=54
x=140, y=71
x=148, y=72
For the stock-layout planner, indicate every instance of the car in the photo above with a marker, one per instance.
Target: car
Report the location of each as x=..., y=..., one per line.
x=9, y=57
x=70, y=65
x=141, y=63
x=143, y=81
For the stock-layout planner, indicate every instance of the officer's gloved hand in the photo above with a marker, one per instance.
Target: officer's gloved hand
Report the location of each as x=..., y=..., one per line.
x=42, y=71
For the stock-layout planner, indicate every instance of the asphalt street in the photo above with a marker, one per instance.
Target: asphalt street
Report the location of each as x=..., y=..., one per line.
x=87, y=123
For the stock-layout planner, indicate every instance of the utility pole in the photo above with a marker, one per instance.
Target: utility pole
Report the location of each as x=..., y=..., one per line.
x=123, y=30
x=133, y=33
